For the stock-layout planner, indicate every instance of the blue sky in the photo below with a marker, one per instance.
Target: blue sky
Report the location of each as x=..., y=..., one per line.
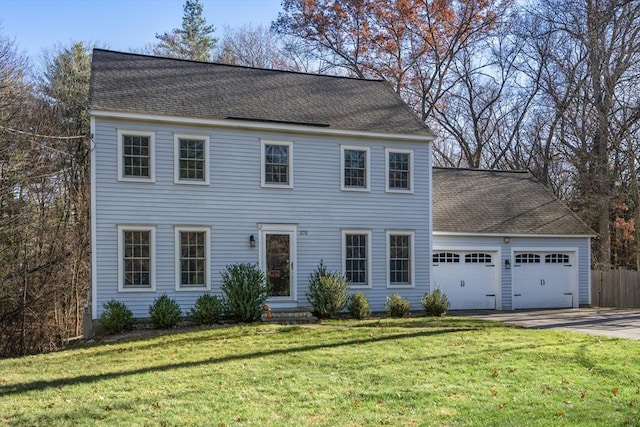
x=116, y=24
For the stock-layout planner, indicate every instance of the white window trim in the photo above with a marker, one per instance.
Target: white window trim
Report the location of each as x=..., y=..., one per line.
x=412, y=259
x=207, y=254
x=367, y=150
x=152, y=166
x=386, y=171
x=345, y=232
x=263, y=144
x=152, y=252
x=176, y=159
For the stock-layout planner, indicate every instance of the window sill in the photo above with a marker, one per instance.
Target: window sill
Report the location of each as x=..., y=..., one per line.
x=397, y=191
x=198, y=183
x=140, y=289
x=139, y=180
x=284, y=187
x=355, y=189
x=401, y=286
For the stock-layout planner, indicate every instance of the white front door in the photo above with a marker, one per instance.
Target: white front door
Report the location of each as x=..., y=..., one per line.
x=278, y=261
x=544, y=280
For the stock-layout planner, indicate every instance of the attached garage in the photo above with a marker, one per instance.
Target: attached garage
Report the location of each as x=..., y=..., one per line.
x=468, y=278
x=502, y=241
x=544, y=279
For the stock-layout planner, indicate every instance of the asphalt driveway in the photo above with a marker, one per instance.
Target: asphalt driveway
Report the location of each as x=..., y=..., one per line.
x=610, y=322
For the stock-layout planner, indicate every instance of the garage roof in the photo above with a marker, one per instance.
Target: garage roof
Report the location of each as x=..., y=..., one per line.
x=132, y=83
x=499, y=202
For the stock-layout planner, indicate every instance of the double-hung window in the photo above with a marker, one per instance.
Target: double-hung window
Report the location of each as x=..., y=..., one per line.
x=136, y=156
x=400, y=264
x=136, y=258
x=277, y=164
x=399, y=170
x=356, y=250
x=191, y=159
x=192, y=258
x=354, y=168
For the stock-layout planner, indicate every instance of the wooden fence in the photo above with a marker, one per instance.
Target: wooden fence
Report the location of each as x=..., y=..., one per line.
x=615, y=288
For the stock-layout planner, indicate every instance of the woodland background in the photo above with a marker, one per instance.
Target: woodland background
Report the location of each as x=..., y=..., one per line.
x=549, y=86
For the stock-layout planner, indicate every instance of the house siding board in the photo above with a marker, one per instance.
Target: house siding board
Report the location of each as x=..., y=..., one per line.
x=523, y=243
x=234, y=204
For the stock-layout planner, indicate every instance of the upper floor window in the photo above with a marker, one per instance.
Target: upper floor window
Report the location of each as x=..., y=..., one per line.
x=355, y=168
x=191, y=162
x=136, y=156
x=192, y=258
x=400, y=268
x=136, y=249
x=277, y=164
x=399, y=170
x=356, y=247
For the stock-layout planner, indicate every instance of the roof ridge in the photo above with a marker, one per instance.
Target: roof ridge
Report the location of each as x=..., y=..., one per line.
x=481, y=169
x=221, y=64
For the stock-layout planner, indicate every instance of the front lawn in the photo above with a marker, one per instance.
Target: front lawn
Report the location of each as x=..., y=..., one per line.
x=416, y=371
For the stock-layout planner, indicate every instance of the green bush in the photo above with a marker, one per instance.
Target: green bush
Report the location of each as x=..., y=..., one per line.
x=397, y=306
x=245, y=290
x=435, y=303
x=116, y=317
x=328, y=291
x=165, y=312
x=207, y=310
x=359, y=306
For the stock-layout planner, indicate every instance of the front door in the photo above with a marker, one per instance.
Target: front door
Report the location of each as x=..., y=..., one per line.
x=278, y=261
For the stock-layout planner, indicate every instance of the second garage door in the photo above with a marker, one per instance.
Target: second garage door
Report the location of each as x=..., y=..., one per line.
x=468, y=278
x=544, y=280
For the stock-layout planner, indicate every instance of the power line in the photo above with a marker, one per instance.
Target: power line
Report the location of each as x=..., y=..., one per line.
x=40, y=135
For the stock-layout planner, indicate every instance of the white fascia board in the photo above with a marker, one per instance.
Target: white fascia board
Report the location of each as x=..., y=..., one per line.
x=280, y=127
x=506, y=234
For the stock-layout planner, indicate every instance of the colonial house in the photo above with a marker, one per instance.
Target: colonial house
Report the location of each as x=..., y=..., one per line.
x=197, y=165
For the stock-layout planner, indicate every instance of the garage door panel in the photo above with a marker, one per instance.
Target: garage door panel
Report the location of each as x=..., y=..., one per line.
x=543, y=280
x=467, y=278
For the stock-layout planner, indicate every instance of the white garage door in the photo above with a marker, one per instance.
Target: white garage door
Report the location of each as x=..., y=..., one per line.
x=543, y=280
x=467, y=278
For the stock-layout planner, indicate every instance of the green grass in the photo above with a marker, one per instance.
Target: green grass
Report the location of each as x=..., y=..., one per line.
x=415, y=371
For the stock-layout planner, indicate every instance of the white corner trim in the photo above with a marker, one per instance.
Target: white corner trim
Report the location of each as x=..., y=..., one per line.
x=94, y=244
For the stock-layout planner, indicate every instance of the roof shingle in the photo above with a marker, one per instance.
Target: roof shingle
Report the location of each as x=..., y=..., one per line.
x=132, y=83
x=499, y=202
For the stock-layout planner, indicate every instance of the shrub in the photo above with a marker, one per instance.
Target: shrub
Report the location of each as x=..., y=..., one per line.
x=245, y=290
x=435, y=303
x=116, y=317
x=207, y=310
x=328, y=291
x=359, y=306
x=165, y=312
x=397, y=306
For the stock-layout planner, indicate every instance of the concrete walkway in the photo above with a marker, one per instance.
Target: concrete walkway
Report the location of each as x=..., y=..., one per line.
x=610, y=322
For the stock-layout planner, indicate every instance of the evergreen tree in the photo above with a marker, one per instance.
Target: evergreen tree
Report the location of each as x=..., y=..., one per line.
x=193, y=41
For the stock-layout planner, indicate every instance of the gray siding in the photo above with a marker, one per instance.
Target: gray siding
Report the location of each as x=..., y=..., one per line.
x=582, y=245
x=234, y=204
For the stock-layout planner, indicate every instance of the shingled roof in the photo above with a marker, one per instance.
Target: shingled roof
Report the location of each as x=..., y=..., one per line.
x=499, y=202
x=132, y=83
